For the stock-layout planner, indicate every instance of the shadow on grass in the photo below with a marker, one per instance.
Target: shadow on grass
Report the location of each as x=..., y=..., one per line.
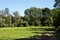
x=37, y=37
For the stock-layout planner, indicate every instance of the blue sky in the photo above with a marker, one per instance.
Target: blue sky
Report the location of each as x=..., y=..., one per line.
x=21, y=5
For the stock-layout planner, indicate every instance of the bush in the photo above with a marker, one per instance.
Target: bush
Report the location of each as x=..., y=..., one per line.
x=37, y=23
x=24, y=24
x=9, y=25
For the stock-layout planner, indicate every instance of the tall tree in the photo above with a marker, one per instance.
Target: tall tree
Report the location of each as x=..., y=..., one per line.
x=46, y=17
x=9, y=21
x=5, y=12
x=33, y=14
x=2, y=22
x=56, y=17
x=16, y=18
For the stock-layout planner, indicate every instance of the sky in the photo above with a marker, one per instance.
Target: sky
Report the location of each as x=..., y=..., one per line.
x=21, y=5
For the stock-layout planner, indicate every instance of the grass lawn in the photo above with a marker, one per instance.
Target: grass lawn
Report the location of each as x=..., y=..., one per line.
x=18, y=32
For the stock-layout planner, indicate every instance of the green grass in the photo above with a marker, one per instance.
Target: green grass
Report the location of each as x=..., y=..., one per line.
x=18, y=32
x=12, y=33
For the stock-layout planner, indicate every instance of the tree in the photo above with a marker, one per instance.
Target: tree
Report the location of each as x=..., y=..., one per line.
x=32, y=15
x=16, y=18
x=56, y=22
x=16, y=14
x=46, y=18
x=2, y=12
x=9, y=21
x=56, y=17
x=5, y=12
x=2, y=22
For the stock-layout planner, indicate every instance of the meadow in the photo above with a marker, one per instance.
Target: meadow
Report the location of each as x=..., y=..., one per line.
x=21, y=32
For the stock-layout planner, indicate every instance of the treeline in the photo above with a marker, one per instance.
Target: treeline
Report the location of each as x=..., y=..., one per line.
x=33, y=17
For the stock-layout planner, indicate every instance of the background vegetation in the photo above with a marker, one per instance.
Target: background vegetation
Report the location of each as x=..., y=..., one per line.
x=33, y=17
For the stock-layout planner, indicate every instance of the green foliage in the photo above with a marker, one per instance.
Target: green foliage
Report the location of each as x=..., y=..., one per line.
x=16, y=18
x=8, y=20
x=56, y=17
x=24, y=24
x=16, y=14
x=2, y=22
x=46, y=17
x=33, y=17
x=33, y=14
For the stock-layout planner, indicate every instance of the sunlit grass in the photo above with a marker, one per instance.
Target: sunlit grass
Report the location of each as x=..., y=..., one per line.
x=18, y=32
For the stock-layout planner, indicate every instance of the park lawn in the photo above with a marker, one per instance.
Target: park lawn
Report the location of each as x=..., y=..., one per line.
x=17, y=32
x=13, y=33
